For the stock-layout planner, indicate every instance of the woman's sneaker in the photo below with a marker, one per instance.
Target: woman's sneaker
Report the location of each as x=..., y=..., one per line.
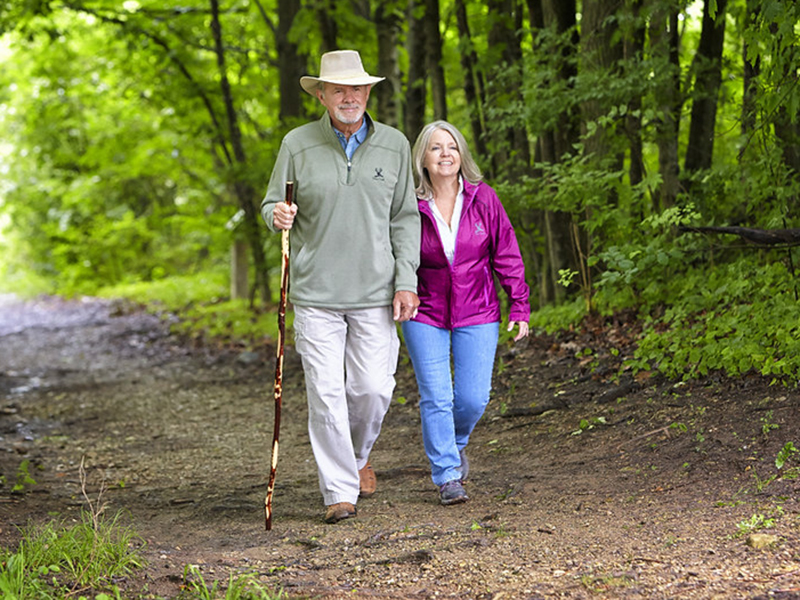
x=452, y=492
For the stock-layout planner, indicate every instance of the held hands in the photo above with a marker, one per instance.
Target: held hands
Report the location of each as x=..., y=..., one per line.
x=283, y=215
x=405, y=306
x=523, y=329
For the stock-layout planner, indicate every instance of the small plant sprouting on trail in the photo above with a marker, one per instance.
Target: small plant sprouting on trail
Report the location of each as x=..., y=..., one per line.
x=23, y=477
x=244, y=587
x=755, y=523
x=785, y=454
x=600, y=584
x=766, y=423
x=761, y=484
x=679, y=427
x=587, y=424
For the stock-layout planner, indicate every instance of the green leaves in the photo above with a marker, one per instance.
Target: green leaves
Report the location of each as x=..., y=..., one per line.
x=786, y=453
x=53, y=559
x=24, y=478
x=735, y=319
x=117, y=169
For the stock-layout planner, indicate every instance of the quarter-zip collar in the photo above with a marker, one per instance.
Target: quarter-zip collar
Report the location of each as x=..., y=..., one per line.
x=330, y=131
x=349, y=145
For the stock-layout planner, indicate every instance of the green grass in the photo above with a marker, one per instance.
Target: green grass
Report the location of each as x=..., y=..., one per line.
x=736, y=318
x=204, y=310
x=56, y=559
x=551, y=319
x=243, y=587
x=230, y=322
x=173, y=293
x=89, y=558
x=22, y=282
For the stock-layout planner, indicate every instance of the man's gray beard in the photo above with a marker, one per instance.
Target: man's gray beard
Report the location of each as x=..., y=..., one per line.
x=347, y=120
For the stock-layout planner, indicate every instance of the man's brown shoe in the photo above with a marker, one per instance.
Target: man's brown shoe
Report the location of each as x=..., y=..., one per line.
x=340, y=510
x=367, y=483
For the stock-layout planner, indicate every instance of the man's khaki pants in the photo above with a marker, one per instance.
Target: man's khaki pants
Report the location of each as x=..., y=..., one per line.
x=349, y=358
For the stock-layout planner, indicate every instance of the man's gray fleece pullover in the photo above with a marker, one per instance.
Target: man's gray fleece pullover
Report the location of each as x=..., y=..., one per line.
x=356, y=238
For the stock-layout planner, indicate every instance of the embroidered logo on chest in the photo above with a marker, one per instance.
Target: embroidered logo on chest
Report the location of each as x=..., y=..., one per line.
x=378, y=174
x=479, y=228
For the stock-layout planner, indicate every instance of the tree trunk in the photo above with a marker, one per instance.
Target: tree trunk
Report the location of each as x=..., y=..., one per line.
x=664, y=40
x=600, y=53
x=388, y=92
x=750, y=73
x=634, y=50
x=243, y=191
x=787, y=126
x=545, y=142
x=326, y=10
x=433, y=57
x=563, y=14
x=473, y=85
x=707, y=66
x=553, y=145
x=414, y=112
x=240, y=266
x=292, y=64
x=510, y=148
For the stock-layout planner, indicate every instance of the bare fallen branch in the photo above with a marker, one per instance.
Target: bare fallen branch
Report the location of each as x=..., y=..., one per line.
x=760, y=237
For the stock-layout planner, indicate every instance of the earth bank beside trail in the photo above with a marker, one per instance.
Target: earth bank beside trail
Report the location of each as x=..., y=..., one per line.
x=582, y=484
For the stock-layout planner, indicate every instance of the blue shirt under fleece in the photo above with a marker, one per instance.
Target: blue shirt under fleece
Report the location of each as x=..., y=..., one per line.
x=355, y=140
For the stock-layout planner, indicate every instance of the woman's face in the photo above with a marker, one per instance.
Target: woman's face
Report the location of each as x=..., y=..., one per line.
x=442, y=158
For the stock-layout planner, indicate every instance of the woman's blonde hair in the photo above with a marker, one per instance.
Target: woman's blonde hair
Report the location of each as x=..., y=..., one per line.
x=469, y=169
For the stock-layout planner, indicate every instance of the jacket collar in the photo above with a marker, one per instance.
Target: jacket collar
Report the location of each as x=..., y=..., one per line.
x=470, y=191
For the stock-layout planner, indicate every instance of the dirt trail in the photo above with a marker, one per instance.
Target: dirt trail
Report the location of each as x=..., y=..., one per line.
x=581, y=486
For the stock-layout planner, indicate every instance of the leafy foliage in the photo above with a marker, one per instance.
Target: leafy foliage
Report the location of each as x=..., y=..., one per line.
x=736, y=320
x=243, y=587
x=206, y=313
x=120, y=164
x=53, y=559
x=786, y=453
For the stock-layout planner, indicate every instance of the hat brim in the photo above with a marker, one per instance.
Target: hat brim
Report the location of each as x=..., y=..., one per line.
x=311, y=84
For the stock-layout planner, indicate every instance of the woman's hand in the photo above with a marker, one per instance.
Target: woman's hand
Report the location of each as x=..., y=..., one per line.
x=523, y=329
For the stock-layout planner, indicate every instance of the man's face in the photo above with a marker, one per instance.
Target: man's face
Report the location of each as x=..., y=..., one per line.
x=345, y=103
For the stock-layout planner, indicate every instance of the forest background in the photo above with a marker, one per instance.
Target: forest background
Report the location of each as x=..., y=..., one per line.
x=647, y=151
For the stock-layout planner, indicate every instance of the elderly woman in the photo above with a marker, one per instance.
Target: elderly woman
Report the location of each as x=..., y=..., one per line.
x=467, y=239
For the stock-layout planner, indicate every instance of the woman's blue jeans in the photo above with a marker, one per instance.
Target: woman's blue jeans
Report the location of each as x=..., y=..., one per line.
x=451, y=403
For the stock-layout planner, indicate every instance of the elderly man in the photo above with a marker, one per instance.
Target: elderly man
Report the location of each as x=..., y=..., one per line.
x=355, y=236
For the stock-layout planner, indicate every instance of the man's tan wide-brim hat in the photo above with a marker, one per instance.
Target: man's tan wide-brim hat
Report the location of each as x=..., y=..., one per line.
x=340, y=66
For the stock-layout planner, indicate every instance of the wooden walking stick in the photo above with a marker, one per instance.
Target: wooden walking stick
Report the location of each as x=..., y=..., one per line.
x=278, y=390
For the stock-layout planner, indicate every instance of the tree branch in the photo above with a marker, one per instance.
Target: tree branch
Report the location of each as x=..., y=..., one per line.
x=182, y=68
x=760, y=237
